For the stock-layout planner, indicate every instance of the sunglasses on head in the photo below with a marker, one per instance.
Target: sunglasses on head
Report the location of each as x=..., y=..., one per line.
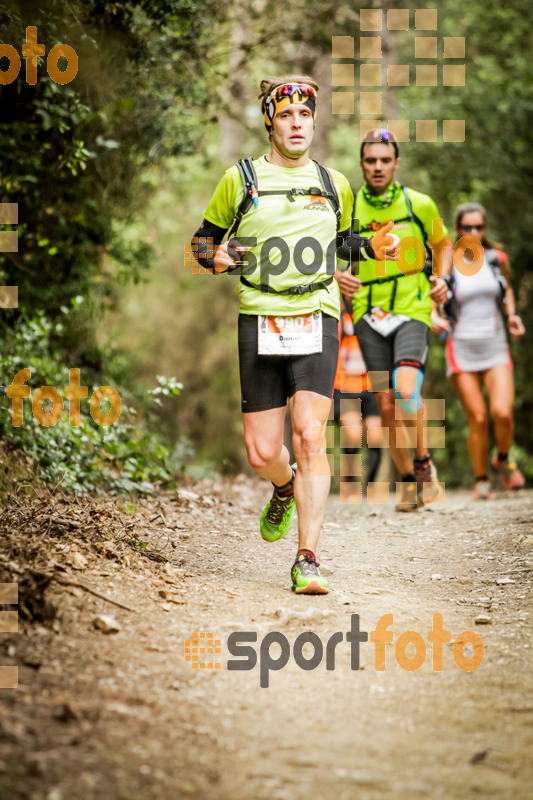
x=381, y=133
x=469, y=228
x=288, y=89
x=376, y=136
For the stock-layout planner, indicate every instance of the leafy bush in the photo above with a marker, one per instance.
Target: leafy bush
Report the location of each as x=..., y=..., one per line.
x=124, y=457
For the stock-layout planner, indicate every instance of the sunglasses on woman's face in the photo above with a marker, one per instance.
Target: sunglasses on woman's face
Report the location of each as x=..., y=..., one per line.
x=469, y=228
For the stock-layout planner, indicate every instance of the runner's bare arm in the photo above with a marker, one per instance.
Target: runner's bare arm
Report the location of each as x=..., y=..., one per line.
x=514, y=322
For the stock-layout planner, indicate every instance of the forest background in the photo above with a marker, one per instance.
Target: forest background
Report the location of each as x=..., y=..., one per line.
x=112, y=172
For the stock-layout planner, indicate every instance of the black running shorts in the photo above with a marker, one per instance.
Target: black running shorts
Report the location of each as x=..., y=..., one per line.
x=267, y=381
x=407, y=346
x=363, y=401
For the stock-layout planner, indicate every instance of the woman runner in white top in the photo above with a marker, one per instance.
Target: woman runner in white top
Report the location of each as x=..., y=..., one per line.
x=477, y=353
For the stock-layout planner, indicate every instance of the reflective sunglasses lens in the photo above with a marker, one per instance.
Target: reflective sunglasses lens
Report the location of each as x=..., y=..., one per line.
x=291, y=88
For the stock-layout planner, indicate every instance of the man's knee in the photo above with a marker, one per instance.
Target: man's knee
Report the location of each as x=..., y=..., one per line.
x=306, y=441
x=261, y=454
x=407, y=384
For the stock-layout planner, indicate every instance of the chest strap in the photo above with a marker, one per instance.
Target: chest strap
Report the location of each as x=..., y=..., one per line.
x=266, y=289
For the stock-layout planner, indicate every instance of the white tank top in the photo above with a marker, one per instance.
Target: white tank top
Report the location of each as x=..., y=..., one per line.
x=478, y=297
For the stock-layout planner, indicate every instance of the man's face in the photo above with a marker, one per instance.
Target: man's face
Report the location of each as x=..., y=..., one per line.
x=379, y=165
x=292, y=130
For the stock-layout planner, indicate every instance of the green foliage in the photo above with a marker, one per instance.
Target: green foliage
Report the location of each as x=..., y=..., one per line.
x=72, y=159
x=123, y=457
x=71, y=153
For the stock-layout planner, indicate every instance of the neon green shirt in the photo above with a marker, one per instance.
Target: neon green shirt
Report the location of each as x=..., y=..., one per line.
x=412, y=291
x=290, y=221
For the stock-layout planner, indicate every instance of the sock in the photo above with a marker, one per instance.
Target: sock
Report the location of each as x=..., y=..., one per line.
x=374, y=460
x=480, y=478
x=409, y=477
x=503, y=457
x=305, y=552
x=287, y=489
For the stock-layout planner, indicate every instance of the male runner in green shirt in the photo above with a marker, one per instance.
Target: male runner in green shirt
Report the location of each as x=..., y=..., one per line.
x=392, y=309
x=289, y=307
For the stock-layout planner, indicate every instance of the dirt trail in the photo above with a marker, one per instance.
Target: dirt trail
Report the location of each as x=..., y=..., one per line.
x=125, y=716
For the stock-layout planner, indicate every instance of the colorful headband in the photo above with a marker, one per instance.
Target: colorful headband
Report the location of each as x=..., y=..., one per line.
x=286, y=94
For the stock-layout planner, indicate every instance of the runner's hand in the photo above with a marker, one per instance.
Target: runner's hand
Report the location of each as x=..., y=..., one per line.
x=439, y=324
x=516, y=326
x=228, y=256
x=439, y=293
x=383, y=244
x=348, y=283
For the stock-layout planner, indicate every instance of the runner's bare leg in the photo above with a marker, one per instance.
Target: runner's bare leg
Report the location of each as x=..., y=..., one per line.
x=309, y=414
x=263, y=436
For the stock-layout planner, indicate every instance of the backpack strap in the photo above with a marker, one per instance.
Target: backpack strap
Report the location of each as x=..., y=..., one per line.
x=330, y=190
x=493, y=260
x=249, y=182
x=413, y=217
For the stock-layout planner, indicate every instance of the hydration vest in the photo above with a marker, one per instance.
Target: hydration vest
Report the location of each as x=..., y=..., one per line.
x=428, y=265
x=252, y=193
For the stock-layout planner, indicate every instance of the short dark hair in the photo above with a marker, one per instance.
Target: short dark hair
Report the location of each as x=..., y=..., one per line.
x=379, y=136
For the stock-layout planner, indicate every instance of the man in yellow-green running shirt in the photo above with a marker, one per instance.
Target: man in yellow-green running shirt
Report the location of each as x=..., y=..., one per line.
x=297, y=216
x=392, y=306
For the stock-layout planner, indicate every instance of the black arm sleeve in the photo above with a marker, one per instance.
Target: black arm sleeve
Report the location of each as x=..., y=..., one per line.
x=352, y=247
x=205, y=242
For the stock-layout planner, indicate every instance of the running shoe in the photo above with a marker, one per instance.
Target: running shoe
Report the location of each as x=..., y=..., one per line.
x=482, y=490
x=277, y=517
x=407, y=498
x=306, y=578
x=427, y=482
x=511, y=475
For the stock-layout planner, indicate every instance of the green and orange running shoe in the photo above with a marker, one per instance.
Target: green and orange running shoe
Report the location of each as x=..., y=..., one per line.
x=306, y=578
x=276, y=519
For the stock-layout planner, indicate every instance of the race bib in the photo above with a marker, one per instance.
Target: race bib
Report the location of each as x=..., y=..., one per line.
x=383, y=321
x=290, y=336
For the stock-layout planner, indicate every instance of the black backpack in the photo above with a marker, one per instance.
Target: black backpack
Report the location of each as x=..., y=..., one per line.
x=252, y=193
